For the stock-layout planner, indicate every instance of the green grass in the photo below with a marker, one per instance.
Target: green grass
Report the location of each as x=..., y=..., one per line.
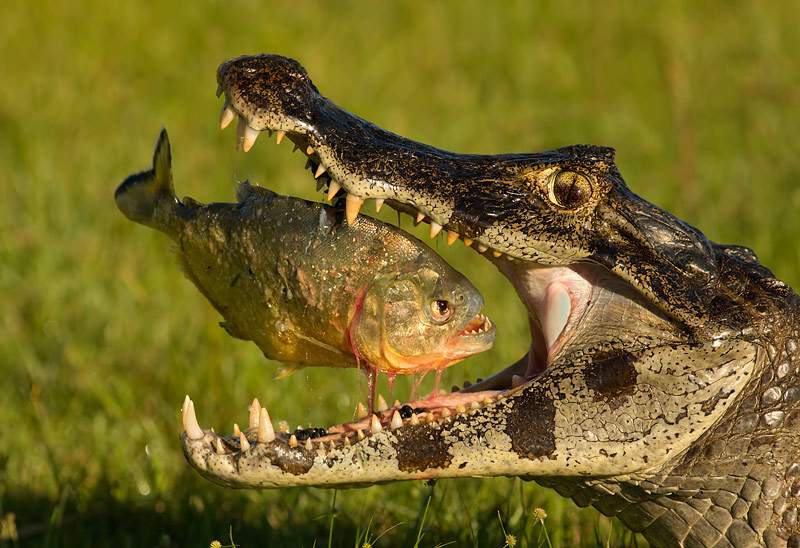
x=101, y=337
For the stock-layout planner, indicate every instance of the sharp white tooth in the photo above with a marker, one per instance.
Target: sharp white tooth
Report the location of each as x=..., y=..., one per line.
x=292, y=441
x=397, y=422
x=474, y=405
x=351, y=207
x=451, y=237
x=240, y=127
x=382, y=406
x=468, y=242
x=279, y=138
x=435, y=228
x=218, y=447
x=360, y=434
x=331, y=446
x=430, y=418
x=362, y=411
x=396, y=403
x=250, y=135
x=320, y=171
x=226, y=116
x=378, y=204
x=244, y=445
x=375, y=425
x=555, y=313
x=414, y=419
x=190, y=425
x=446, y=412
x=346, y=441
x=308, y=445
x=420, y=217
x=460, y=408
x=255, y=412
x=333, y=189
x=266, y=433
x=236, y=430
x=309, y=150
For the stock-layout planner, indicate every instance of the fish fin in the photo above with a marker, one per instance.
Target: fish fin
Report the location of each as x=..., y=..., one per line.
x=289, y=369
x=245, y=191
x=139, y=194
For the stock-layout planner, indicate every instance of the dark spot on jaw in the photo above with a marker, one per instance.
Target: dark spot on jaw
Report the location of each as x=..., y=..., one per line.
x=293, y=460
x=611, y=377
x=530, y=423
x=421, y=447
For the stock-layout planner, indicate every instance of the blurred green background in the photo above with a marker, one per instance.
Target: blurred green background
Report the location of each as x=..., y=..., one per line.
x=101, y=336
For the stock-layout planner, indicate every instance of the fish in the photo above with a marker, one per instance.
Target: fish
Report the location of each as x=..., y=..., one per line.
x=308, y=287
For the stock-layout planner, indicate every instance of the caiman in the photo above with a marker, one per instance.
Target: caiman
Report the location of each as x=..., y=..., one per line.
x=661, y=385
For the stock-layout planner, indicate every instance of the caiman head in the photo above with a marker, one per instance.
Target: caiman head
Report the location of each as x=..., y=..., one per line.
x=661, y=385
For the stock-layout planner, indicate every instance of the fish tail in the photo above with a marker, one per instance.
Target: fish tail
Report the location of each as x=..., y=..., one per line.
x=138, y=196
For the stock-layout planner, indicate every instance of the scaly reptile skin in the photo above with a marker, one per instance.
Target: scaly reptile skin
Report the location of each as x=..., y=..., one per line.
x=666, y=394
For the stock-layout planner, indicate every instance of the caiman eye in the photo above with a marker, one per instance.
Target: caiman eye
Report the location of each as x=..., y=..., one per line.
x=569, y=189
x=441, y=311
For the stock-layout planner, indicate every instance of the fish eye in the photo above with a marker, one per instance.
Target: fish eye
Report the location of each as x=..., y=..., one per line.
x=569, y=189
x=441, y=311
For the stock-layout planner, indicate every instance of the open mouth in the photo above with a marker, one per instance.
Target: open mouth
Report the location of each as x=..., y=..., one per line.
x=557, y=293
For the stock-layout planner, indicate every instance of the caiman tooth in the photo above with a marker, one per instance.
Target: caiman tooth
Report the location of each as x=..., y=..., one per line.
x=190, y=424
x=430, y=418
x=481, y=248
x=378, y=204
x=420, y=217
x=244, y=445
x=333, y=189
x=308, y=444
x=555, y=313
x=397, y=421
x=236, y=430
x=255, y=412
x=226, y=115
x=240, y=127
x=468, y=242
x=292, y=441
x=451, y=237
x=382, y=406
x=375, y=425
x=362, y=411
x=360, y=434
x=320, y=171
x=460, y=408
x=280, y=136
x=218, y=447
x=266, y=433
x=309, y=150
x=496, y=254
x=414, y=419
x=352, y=207
x=445, y=412
x=435, y=228
x=346, y=441
x=250, y=135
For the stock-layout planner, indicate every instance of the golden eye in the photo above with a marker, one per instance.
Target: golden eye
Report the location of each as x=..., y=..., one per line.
x=441, y=311
x=569, y=189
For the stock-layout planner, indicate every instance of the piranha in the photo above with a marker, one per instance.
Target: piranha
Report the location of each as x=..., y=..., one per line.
x=310, y=287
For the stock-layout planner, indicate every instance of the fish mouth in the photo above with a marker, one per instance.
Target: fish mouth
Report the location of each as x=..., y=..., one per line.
x=554, y=306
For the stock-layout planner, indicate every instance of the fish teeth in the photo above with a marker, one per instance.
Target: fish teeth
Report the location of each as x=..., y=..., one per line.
x=190, y=424
x=280, y=136
x=352, y=207
x=333, y=189
x=378, y=204
x=250, y=135
x=226, y=115
x=451, y=237
x=435, y=228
